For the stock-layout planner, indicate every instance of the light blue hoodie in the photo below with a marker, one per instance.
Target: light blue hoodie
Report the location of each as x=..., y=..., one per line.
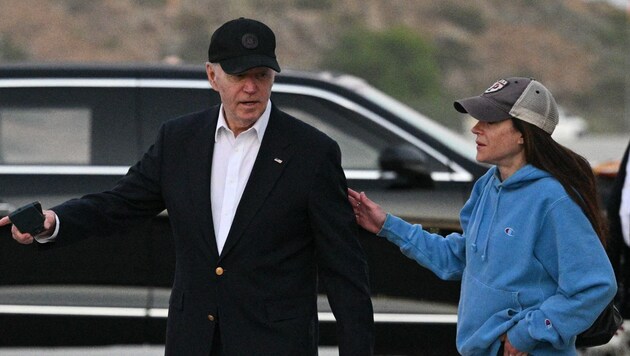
x=530, y=263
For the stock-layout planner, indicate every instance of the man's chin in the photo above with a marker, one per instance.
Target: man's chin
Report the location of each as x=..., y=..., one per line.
x=251, y=114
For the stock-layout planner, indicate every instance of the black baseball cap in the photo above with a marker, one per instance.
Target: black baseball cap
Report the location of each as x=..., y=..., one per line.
x=243, y=44
x=518, y=97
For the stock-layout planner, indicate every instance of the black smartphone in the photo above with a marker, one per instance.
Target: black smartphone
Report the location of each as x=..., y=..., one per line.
x=29, y=218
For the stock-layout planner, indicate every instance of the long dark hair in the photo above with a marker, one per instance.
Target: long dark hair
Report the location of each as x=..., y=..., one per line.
x=569, y=168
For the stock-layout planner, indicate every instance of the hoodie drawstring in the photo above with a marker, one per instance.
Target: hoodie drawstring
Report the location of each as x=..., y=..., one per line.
x=484, y=255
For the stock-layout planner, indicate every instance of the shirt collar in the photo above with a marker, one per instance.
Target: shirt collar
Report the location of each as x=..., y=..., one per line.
x=259, y=127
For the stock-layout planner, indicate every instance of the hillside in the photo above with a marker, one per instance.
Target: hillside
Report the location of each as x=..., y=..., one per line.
x=578, y=49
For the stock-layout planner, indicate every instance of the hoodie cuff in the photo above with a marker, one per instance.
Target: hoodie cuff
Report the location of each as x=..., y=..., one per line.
x=394, y=228
x=520, y=338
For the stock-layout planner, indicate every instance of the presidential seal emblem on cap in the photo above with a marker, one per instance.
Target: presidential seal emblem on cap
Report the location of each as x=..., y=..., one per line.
x=249, y=41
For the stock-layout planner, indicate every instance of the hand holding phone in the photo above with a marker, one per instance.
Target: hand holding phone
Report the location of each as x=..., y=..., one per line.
x=29, y=218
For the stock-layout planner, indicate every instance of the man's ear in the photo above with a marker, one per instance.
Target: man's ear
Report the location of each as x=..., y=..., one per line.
x=211, y=74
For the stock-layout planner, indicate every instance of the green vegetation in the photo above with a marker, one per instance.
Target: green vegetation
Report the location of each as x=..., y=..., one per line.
x=467, y=17
x=397, y=61
x=10, y=51
x=153, y=3
x=313, y=4
x=425, y=53
x=194, y=29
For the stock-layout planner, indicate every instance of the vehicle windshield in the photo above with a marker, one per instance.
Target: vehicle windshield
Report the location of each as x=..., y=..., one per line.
x=446, y=136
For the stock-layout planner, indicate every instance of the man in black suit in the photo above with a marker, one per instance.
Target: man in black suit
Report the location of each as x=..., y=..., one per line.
x=257, y=203
x=619, y=242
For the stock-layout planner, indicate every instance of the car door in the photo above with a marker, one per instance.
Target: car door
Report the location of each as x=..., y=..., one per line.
x=61, y=138
x=63, y=141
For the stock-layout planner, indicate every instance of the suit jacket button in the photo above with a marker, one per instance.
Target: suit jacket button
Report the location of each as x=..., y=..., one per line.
x=219, y=271
x=211, y=317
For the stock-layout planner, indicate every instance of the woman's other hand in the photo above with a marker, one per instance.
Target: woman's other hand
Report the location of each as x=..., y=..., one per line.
x=508, y=349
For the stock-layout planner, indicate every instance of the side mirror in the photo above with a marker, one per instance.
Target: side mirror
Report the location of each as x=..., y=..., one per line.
x=409, y=163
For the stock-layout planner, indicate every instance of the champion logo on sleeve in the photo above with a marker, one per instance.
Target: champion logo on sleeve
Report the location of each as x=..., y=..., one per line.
x=509, y=231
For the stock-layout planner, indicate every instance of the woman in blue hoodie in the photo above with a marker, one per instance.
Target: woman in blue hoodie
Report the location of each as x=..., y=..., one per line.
x=531, y=259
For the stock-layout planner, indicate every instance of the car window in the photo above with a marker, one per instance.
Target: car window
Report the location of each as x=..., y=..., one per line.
x=360, y=149
x=25, y=135
x=157, y=105
x=360, y=139
x=444, y=135
x=68, y=126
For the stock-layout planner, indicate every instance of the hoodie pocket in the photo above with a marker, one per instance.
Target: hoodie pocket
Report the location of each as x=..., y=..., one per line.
x=484, y=314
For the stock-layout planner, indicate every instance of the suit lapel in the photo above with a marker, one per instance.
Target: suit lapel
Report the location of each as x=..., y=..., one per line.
x=199, y=150
x=272, y=158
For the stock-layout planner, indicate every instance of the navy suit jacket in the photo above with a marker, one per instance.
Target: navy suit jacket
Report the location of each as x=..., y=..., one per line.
x=293, y=229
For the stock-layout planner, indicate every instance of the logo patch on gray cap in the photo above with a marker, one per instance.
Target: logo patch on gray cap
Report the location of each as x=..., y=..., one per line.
x=498, y=85
x=249, y=41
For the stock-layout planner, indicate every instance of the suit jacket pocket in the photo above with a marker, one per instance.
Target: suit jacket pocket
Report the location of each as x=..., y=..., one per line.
x=287, y=309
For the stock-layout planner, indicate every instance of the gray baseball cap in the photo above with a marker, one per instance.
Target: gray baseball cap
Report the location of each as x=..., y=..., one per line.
x=521, y=98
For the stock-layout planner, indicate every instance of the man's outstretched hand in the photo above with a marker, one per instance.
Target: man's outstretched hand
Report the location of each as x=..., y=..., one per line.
x=50, y=222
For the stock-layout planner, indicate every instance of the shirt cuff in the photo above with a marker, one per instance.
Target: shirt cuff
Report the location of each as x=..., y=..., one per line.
x=46, y=239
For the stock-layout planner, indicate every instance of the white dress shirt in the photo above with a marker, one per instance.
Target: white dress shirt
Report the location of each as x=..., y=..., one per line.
x=232, y=163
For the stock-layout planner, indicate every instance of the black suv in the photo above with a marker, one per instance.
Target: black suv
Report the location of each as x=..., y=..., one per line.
x=69, y=130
